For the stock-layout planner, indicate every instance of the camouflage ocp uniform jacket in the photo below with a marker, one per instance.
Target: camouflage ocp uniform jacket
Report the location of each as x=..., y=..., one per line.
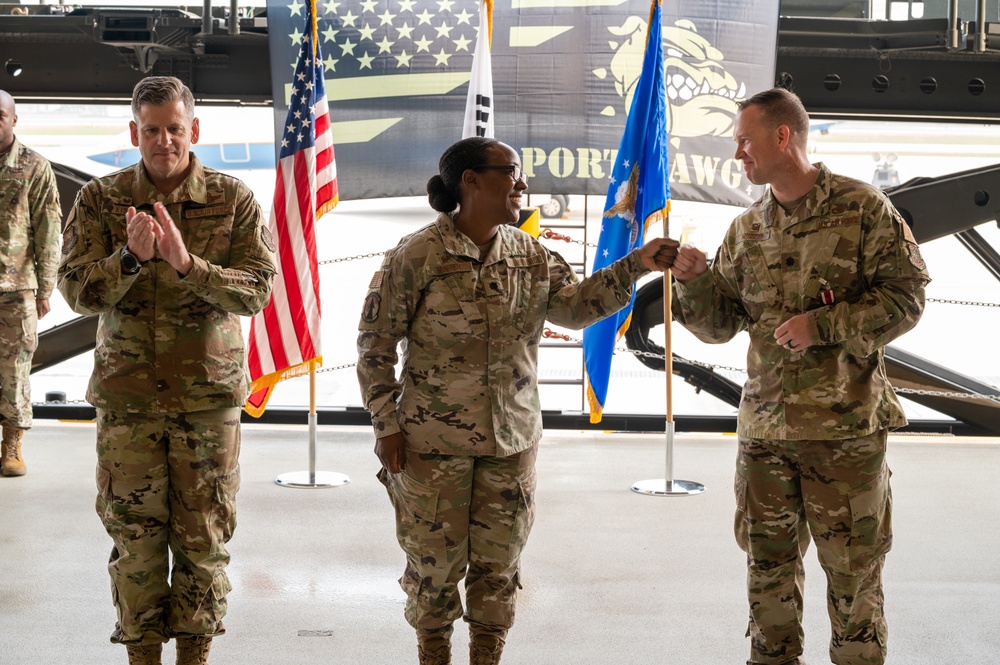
x=846, y=257
x=469, y=327
x=166, y=343
x=30, y=222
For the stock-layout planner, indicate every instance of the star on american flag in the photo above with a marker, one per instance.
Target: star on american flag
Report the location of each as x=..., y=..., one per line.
x=375, y=37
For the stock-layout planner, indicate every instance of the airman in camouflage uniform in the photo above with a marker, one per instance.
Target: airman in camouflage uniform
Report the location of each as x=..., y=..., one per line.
x=29, y=254
x=169, y=376
x=823, y=273
x=457, y=432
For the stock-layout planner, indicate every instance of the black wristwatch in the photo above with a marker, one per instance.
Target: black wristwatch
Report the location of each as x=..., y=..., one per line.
x=131, y=265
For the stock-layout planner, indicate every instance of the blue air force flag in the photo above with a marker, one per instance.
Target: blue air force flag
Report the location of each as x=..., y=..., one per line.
x=638, y=195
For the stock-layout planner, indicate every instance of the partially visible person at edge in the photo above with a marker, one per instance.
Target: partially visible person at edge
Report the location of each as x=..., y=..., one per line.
x=823, y=273
x=30, y=220
x=169, y=254
x=457, y=433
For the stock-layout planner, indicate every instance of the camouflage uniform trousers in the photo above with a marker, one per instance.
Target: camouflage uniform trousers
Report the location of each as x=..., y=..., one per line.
x=462, y=516
x=837, y=491
x=167, y=486
x=18, y=341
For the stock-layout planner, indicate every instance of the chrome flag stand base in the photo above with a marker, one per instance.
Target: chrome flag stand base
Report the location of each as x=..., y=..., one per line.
x=667, y=486
x=661, y=487
x=307, y=480
x=312, y=479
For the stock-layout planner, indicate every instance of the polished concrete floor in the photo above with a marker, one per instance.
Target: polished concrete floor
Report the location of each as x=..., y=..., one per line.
x=610, y=576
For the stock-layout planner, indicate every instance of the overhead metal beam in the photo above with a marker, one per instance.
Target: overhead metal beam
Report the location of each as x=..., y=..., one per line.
x=909, y=70
x=97, y=54
x=925, y=69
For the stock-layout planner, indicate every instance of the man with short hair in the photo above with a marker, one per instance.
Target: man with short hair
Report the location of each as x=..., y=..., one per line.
x=823, y=273
x=30, y=220
x=169, y=254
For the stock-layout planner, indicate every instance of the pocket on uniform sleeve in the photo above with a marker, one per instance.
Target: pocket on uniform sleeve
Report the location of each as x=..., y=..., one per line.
x=871, y=520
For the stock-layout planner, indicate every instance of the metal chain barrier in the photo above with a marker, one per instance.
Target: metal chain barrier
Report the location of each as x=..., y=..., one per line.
x=334, y=369
x=545, y=233
x=941, y=393
x=549, y=234
x=964, y=302
x=550, y=334
x=685, y=361
x=351, y=258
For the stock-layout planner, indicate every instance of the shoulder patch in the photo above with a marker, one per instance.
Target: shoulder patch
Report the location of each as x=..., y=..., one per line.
x=373, y=303
x=913, y=249
x=267, y=239
x=69, y=235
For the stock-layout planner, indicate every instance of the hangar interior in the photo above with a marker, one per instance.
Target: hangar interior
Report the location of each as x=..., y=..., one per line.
x=314, y=571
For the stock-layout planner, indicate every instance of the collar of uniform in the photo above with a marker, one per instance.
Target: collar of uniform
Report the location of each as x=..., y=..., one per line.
x=811, y=205
x=458, y=244
x=192, y=189
x=10, y=159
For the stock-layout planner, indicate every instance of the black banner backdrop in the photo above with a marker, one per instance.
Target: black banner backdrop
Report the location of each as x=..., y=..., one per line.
x=397, y=74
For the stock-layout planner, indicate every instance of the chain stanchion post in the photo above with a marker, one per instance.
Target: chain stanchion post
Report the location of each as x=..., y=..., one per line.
x=668, y=485
x=312, y=479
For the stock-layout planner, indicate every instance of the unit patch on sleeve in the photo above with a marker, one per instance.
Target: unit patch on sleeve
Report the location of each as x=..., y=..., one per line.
x=267, y=239
x=373, y=303
x=915, y=258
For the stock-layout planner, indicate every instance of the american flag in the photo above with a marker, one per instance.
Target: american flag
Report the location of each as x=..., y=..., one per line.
x=285, y=336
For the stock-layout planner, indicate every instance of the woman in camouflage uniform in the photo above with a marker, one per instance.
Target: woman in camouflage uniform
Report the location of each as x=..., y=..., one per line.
x=457, y=432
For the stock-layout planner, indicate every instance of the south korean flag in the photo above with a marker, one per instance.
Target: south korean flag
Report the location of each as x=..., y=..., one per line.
x=479, y=103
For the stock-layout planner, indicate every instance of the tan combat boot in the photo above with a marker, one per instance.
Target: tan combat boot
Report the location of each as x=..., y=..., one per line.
x=485, y=649
x=144, y=654
x=10, y=454
x=434, y=651
x=193, y=650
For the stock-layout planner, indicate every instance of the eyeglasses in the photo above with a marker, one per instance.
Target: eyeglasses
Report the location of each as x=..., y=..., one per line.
x=513, y=170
